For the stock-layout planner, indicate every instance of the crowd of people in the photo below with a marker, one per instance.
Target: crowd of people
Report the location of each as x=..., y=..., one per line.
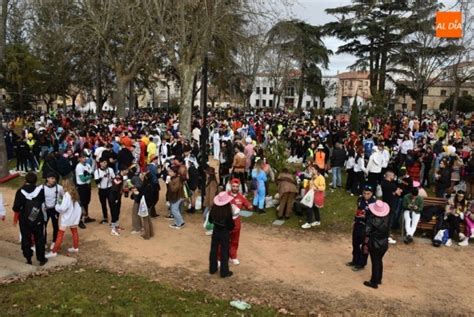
x=396, y=159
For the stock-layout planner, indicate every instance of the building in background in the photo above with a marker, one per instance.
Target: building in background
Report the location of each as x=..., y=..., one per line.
x=353, y=85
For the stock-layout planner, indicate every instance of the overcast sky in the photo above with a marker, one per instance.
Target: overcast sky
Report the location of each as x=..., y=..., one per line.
x=312, y=11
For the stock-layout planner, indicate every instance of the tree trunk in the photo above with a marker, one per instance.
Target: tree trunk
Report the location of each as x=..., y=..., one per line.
x=98, y=84
x=3, y=27
x=278, y=101
x=186, y=100
x=131, y=96
x=457, y=90
x=74, y=97
x=121, y=86
x=300, y=93
x=419, y=104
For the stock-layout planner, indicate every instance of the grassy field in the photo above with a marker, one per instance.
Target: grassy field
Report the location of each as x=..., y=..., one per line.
x=337, y=215
x=98, y=293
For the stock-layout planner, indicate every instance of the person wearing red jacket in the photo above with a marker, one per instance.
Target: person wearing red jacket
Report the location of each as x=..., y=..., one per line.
x=238, y=203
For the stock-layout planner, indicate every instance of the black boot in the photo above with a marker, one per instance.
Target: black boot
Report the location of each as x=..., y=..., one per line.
x=28, y=261
x=82, y=225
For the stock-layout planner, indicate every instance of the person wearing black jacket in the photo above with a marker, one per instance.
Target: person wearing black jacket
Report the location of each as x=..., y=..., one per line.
x=27, y=209
x=377, y=232
x=221, y=216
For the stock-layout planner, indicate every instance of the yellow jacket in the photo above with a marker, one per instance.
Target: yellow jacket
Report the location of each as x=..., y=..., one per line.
x=318, y=183
x=151, y=150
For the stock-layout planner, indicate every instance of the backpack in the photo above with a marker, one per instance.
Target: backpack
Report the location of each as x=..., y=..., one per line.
x=33, y=212
x=368, y=145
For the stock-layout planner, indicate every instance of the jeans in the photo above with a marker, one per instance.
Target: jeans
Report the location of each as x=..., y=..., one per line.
x=176, y=212
x=336, y=177
x=411, y=221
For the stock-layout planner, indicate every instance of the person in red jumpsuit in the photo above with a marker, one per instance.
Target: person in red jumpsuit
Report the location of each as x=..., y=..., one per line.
x=239, y=202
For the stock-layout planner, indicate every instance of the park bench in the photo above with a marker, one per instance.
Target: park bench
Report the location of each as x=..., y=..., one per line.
x=429, y=225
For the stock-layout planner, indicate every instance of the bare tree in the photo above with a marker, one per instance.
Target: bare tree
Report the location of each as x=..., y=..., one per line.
x=277, y=66
x=126, y=35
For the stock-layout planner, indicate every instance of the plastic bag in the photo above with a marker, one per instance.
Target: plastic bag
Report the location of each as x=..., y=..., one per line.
x=308, y=199
x=143, y=208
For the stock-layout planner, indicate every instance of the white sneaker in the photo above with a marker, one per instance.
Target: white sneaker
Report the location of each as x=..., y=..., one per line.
x=316, y=223
x=52, y=246
x=73, y=250
x=462, y=237
x=209, y=233
x=235, y=261
x=306, y=226
x=391, y=241
x=449, y=243
x=464, y=243
x=135, y=232
x=33, y=248
x=50, y=255
x=114, y=233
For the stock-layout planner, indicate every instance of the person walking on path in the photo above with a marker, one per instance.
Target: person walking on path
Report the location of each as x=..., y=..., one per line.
x=221, y=216
x=27, y=209
x=70, y=215
x=377, y=230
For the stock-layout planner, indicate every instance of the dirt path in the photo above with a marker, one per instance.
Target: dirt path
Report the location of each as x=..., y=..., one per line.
x=301, y=272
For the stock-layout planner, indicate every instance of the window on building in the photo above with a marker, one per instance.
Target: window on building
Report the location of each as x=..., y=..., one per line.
x=264, y=90
x=346, y=82
x=308, y=104
x=413, y=106
x=316, y=104
x=290, y=91
x=427, y=92
x=264, y=103
x=443, y=93
x=465, y=93
x=350, y=83
x=323, y=104
x=424, y=106
x=258, y=90
x=271, y=90
x=366, y=83
x=270, y=103
x=257, y=103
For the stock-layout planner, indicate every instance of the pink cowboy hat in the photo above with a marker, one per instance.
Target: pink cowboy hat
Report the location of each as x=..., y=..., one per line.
x=416, y=184
x=379, y=208
x=222, y=199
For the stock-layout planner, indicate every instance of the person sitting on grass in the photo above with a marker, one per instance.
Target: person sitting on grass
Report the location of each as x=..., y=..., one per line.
x=70, y=215
x=412, y=206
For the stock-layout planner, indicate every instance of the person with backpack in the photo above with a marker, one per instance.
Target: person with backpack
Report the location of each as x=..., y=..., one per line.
x=28, y=213
x=70, y=212
x=83, y=180
x=155, y=172
x=53, y=192
x=103, y=177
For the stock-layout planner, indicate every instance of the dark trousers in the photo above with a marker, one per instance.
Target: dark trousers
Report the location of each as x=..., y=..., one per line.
x=453, y=228
x=358, y=239
x=376, y=256
x=241, y=177
x=350, y=179
x=104, y=198
x=84, y=192
x=372, y=180
x=220, y=238
x=54, y=216
x=425, y=182
x=312, y=214
x=359, y=183
x=21, y=163
x=37, y=232
x=115, y=203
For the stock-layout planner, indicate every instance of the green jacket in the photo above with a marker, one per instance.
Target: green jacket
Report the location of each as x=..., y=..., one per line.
x=415, y=205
